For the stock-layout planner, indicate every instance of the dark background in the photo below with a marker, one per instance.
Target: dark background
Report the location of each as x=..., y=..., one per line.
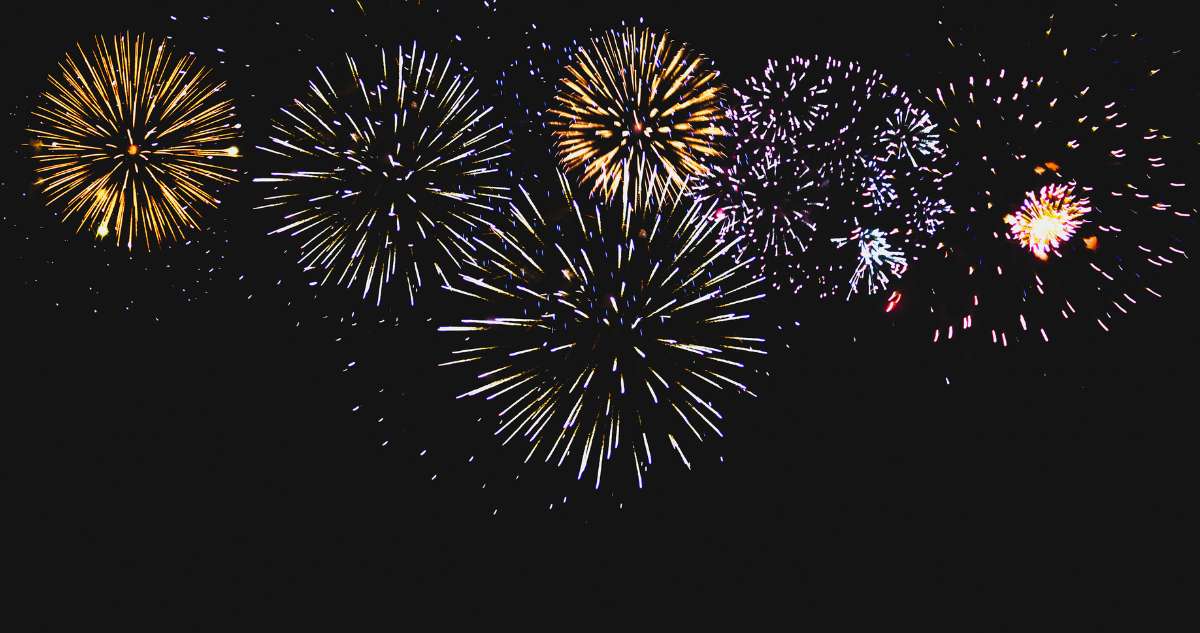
x=185, y=435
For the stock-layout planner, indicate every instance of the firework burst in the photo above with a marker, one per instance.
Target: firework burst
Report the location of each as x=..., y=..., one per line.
x=600, y=336
x=769, y=204
x=910, y=133
x=129, y=140
x=1064, y=211
x=637, y=114
x=384, y=168
x=1048, y=218
x=876, y=259
x=830, y=154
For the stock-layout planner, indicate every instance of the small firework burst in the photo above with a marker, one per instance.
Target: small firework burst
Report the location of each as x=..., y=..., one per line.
x=1048, y=218
x=1045, y=168
x=599, y=336
x=637, y=114
x=382, y=169
x=878, y=262
x=129, y=139
x=877, y=183
x=852, y=159
x=910, y=133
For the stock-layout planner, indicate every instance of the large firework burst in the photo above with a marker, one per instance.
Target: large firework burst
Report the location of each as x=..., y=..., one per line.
x=129, y=139
x=637, y=113
x=830, y=154
x=1064, y=211
x=602, y=333
x=384, y=167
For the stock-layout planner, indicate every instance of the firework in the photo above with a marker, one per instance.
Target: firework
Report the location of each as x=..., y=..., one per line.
x=1064, y=211
x=910, y=133
x=1048, y=218
x=876, y=259
x=788, y=100
x=637, y=113
x=770, y=204
x=830, y=154
x=384, y=168
x=600, y=336
x=129, y=140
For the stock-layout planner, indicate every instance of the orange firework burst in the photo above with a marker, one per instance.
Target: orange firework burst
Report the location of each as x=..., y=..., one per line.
x=1048, y=218
x=125, y=139
x=637, y=113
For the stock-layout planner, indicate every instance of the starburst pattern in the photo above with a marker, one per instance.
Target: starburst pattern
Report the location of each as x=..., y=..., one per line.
x=910, y=133
x=130, y=140
x=598, y=337
x=1047, y=218
x=637, y=113
x=382, y=169
x=878, y=261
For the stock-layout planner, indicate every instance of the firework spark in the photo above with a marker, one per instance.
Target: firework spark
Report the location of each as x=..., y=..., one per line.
x=910, y=133
x=384, y=169
x=789, y=99
x=129, y=140
x=1048, y=218
x=876, y=259
x=637, y=113
x=602, y=337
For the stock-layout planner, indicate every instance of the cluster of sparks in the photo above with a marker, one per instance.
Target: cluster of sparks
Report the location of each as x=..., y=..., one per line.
x=637, y=114
x=1047, y=219
x=876, y=259
x=769, y=204
x=129, y=139
x=610, y=331
x=828, y=149
x=910, y=133
x=385, y=168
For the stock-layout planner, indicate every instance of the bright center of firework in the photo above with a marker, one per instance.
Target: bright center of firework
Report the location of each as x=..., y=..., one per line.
x=132, y=150
x=1047, y=219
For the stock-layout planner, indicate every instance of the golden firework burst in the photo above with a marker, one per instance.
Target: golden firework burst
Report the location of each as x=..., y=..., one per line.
x=637, y=113
x=127, y=139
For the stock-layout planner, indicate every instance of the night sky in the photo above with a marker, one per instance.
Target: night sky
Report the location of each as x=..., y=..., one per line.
x=201, y=417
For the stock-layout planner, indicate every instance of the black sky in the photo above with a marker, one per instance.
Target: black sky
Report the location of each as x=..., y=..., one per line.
x=187, y=419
